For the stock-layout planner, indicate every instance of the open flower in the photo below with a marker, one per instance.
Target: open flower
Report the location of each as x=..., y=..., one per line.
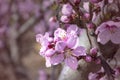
x=62, y=48
x=68, y=53
x=109, y=31
x=66, y=47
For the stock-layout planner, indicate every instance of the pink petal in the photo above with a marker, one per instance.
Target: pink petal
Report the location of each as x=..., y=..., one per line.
x=100, y=28
x=49, y=52
x=115, y=37
x=71, y=62
x=57, y=58
x=72, y=41
x=48, y=63
x=65, y=19
x=72, y=29
x=104, y=36
x=60, y=46
x=38, y=37
x=79, y=51
x=92, y=76
x=86, y=6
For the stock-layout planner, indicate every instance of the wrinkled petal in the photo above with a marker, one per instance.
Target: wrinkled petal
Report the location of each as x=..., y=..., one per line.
x=49, y=52
x=104, y=37
x=71, y=62
x=57, y=58
x=60, y=46
x=79, y=51
x=115, y=37
x=72, y=41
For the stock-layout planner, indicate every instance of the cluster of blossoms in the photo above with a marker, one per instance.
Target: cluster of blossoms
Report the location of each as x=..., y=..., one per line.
x=63, y=47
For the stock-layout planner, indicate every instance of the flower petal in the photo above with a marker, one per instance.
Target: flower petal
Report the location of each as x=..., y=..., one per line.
x=79, y=51
x=48, y=64
x=104, y=36
x=115, y=37
x=60, y=46
x=49, y=52
x=57, y=58
x=72, y=41
x=72, y=29
x=71, y=62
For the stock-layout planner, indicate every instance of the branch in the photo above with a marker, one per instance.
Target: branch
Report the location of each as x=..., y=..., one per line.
x=27, y=25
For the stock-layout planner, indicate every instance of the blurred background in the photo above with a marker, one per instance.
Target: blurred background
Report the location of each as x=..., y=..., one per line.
x=20, y=21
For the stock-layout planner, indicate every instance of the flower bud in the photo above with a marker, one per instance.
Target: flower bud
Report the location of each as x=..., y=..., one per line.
x=87, y=16
x=98, y=61
x=65, y=19
x=93, y=51
x=88, y=58
x=67, y=9
x=77, y=2
x=53, y=19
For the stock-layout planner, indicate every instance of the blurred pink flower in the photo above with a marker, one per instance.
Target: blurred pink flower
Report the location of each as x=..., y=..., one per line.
x=67, y=9
x=109, y=30
x=62, y=48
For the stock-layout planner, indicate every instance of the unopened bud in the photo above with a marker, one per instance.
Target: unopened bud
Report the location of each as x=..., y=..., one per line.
x=77, y=2
x=93, y=52
x=88, y=58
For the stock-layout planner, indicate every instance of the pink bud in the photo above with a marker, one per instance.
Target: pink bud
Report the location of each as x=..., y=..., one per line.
x=52, y=19
x=87, y=16
x=98, y=61
x=88, y=58
x=77, y=2
x=67, y=9
x=65, y=19
x=90, y=25
x=93, y=51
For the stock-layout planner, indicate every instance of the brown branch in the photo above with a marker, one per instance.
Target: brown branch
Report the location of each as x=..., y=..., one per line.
x=28, y=24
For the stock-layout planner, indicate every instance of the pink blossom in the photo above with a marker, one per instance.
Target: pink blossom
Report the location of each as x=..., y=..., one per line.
x=63, y=48
x=109, y=31
x=65, y=19
x=66, y=47
x=93, y=51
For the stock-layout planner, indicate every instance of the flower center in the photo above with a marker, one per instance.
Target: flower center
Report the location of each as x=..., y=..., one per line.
x=68, y=52
x=51, y=45
x=112, y=28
